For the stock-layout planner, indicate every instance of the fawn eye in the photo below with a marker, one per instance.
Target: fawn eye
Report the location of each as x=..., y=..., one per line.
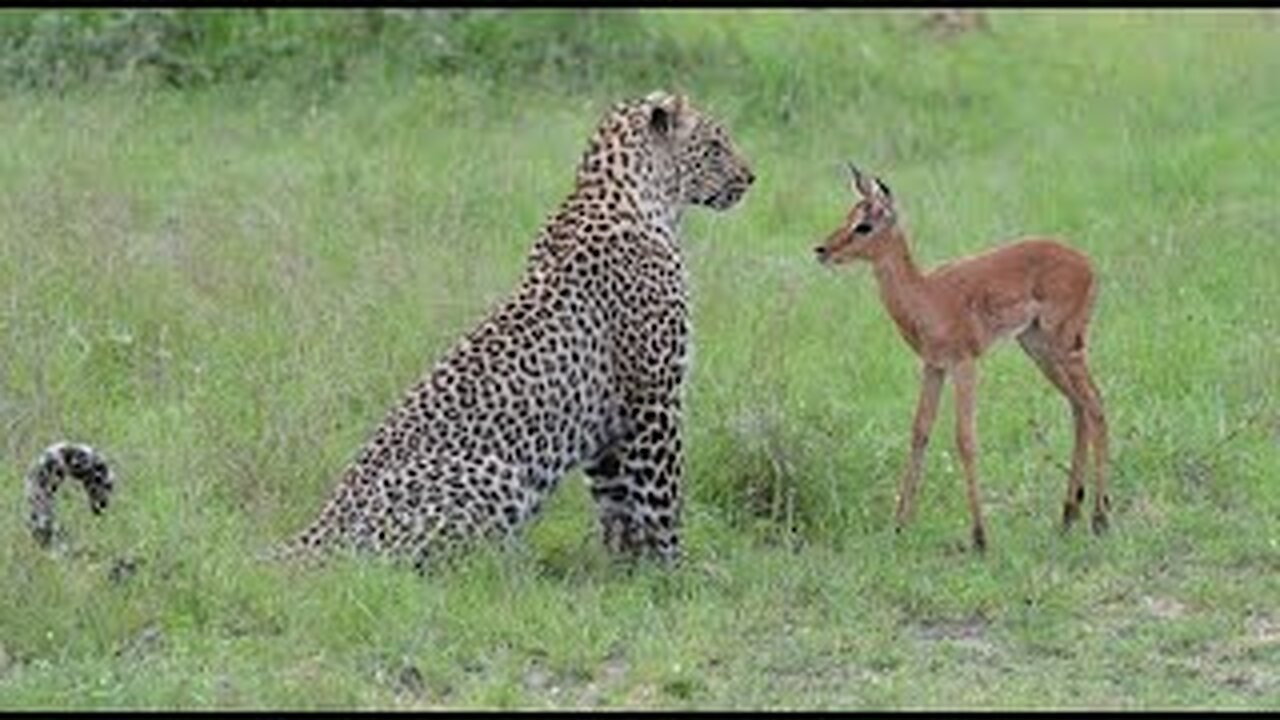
x=862, y=228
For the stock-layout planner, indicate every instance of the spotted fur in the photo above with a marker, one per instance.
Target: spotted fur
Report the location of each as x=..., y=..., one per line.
x=583, y=365
x=56, y=463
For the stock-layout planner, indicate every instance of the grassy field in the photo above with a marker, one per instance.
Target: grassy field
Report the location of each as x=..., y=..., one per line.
x=224, y=287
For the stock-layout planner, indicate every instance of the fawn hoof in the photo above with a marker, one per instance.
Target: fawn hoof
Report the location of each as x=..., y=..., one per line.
x=1100, y=523
x=1070, y=514
x=979, y=538
x=899, y=524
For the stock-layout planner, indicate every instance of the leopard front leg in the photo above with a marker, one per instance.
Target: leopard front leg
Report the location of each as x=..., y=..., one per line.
x=636, y=482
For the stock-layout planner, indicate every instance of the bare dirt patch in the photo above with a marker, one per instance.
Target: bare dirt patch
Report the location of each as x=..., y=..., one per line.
x=971, y=628
x=1263, y=629
x=1163, y=608
x=577, y=689
x=1245, y=663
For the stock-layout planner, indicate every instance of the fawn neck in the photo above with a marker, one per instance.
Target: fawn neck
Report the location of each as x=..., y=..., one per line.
x=901, y=286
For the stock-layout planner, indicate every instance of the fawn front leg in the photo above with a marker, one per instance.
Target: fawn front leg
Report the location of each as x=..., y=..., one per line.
x=931, y=379
x=964, y=376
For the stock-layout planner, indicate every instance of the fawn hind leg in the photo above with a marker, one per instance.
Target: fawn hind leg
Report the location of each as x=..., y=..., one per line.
x=1077, y=372
x=1067, y=328
x=1037, y=346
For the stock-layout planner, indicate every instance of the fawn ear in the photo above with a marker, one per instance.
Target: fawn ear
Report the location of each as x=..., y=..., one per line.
x=859, y=183
x=882, y=191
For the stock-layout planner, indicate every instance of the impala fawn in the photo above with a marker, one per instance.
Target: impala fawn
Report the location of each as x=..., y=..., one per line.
x=1036, y=290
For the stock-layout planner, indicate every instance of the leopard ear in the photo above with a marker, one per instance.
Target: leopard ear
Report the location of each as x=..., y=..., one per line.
x=665, y=114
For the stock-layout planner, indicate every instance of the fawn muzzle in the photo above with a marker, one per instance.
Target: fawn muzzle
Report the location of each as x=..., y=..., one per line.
x=829, y=249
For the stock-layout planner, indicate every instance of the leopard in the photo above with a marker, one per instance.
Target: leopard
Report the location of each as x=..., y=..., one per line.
x=582, y=366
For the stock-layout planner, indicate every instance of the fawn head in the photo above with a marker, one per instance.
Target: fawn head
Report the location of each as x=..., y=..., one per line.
x=865, y=230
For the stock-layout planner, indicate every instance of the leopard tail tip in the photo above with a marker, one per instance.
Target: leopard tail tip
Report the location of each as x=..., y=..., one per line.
x=56, y=463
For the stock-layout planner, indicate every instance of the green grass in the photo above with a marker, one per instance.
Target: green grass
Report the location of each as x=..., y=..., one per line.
x=225, y=287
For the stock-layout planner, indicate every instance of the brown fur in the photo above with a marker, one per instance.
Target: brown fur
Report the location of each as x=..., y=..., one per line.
x=1037, y=290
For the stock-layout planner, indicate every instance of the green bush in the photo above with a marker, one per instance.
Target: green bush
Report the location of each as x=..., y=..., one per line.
x=58, y=50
